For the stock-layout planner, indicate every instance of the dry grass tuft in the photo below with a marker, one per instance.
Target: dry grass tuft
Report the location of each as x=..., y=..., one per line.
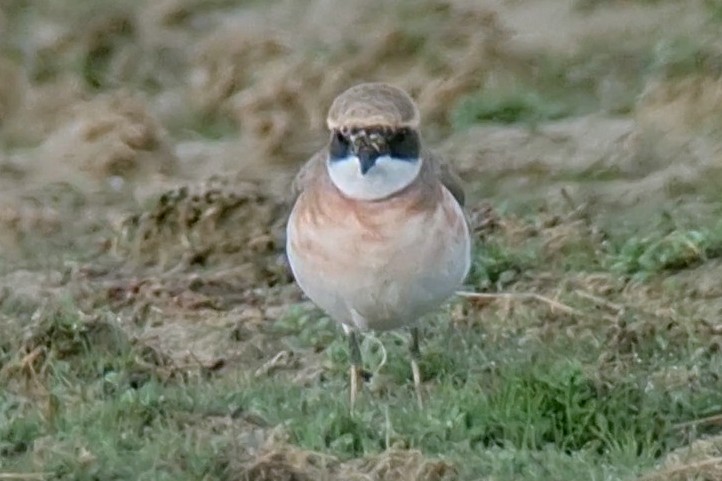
x=681, y=107
x=204, y=224
x=579, y=146
x=12, y=89
x=113, y=135
x=20, y=220
x=42, y=109
x=225, y=64
x=283, y=113
x=280, y=461
x=52, y=333
x=270, y=112
x=701, y=460
x=404, y=465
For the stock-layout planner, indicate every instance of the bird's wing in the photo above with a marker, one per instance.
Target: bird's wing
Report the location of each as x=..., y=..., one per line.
x=308, y=171
x=448, y=177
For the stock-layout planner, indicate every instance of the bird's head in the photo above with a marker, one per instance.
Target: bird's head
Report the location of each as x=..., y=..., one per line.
x=375, y=147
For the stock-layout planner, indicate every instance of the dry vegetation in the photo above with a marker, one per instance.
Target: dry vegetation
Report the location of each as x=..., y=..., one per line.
x=149, y=327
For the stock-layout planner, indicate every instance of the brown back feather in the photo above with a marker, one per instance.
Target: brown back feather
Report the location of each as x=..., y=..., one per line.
x=447, y=175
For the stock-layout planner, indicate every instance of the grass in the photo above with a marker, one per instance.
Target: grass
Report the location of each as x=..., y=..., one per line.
x=512, y=393
x=665, y=251
x=493, y=409
x=506, y=108
x=498, y=265
x=563, y=86
x=683, y=56
x=504, y=400
x=714, y=8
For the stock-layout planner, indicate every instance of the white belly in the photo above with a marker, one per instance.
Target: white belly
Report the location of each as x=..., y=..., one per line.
x=417, y=264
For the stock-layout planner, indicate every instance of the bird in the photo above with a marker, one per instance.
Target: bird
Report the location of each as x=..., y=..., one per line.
x=377, y=236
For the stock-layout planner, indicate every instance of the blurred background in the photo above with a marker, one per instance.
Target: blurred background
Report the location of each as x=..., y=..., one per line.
x=622, y=96
x=146, y=149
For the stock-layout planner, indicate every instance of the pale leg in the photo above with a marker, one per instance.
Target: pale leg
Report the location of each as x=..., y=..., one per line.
x=356, y=366
x=415, y=357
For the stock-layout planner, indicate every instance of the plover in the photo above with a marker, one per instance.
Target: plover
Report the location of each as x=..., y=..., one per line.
x=377, y=237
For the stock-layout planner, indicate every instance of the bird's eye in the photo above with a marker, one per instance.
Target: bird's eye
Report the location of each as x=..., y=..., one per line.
x=338, y=148
x=404, y=144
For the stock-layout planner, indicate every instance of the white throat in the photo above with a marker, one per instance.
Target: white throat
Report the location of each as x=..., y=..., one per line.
x=388, y=176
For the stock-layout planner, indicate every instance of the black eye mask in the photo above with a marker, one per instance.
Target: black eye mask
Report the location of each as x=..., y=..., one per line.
x=339, y=147
x=404, y=144
x=400, y=143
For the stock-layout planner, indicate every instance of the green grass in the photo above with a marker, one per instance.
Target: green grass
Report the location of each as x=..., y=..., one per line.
x=590, y=5
x=683, y=56
x=637, y=253
x=563, y=86
x=212, y=127
x=141, y=432
x=506, y=108
x=497, y=265
x=543, y=408
x=714, y=8
x=644, y=255
x=518, y=394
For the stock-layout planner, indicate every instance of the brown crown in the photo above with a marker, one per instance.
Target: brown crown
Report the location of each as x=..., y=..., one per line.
x=373, y=104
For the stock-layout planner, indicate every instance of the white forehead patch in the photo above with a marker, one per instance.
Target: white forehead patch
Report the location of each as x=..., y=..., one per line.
x=388, y=176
